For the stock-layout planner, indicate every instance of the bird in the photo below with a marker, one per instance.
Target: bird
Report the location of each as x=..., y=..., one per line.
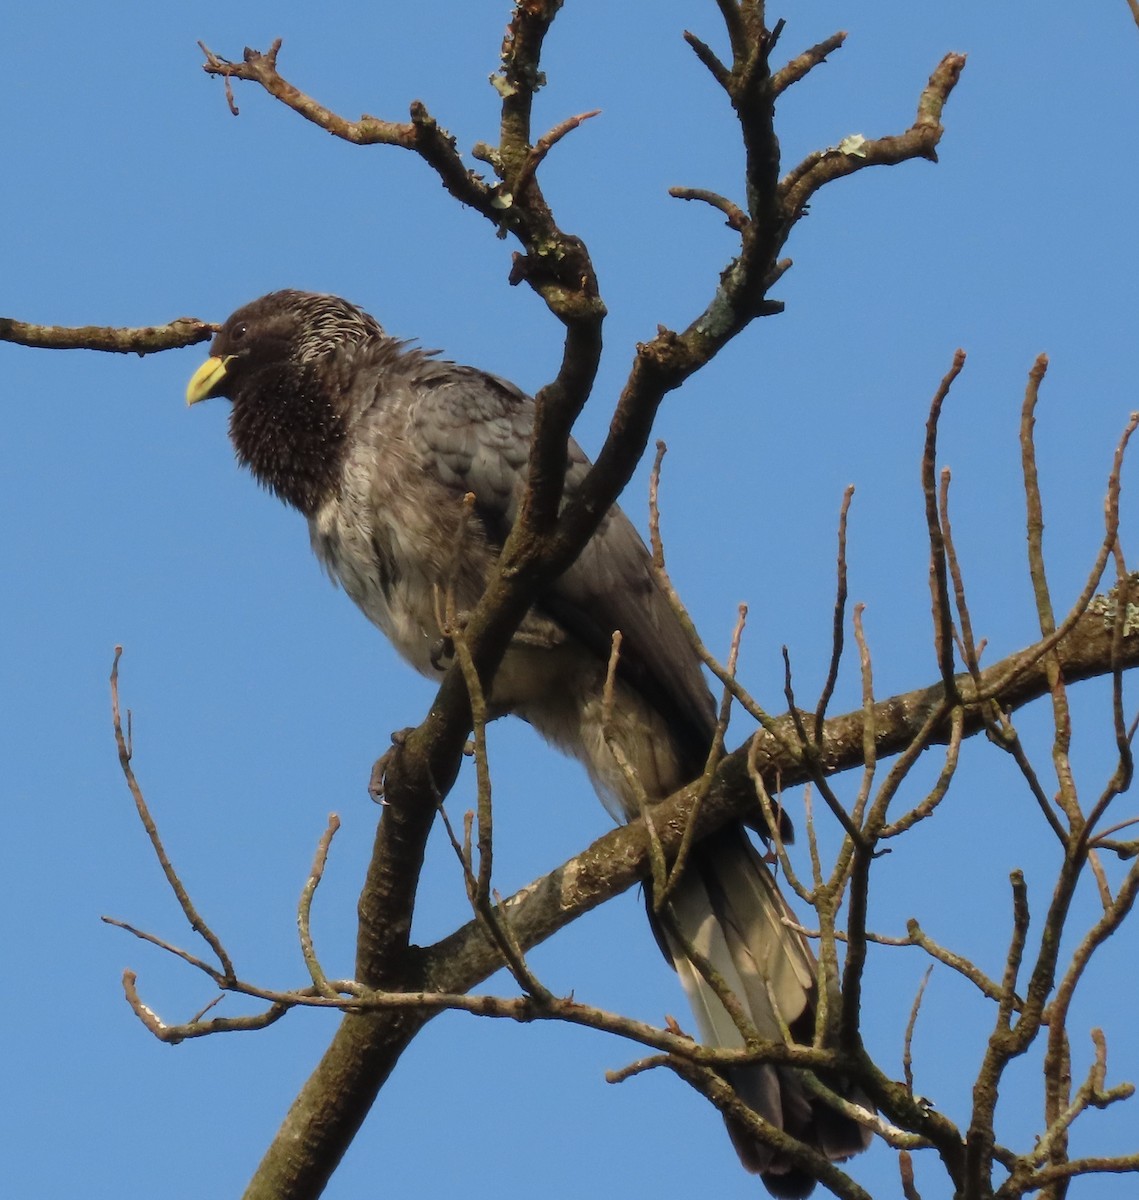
x=380, y=445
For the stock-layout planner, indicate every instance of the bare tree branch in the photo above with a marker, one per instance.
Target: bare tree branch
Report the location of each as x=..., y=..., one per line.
x=150, y=339
x=399, y=986
x=122, y=741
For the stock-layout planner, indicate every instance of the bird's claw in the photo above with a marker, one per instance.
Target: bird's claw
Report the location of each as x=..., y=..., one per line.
x=378, y=780
x=443, y=653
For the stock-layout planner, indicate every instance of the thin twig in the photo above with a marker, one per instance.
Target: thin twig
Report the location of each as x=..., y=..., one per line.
x=723, y=991
x=1092, y=1093
x=482, y=767
x=192, y=959
x=999, y=681
x=1121, y=777
x=940, y=789
x=839, y=613
x=742, y=697
x=715, y=753
x=968, y=646
x=807, y=1158
x=736, y=217
x=1034, y=518
x=810, y=748
x=613, y=744
x=869, y=749
x=173, y=1034
x=491, y=915
x=1106, y=833
x=911, y=1024
x=938, y=580
x=1009, y=740
x=125, y=751
x=304, y=908
x=773, y=818
x=544, y=145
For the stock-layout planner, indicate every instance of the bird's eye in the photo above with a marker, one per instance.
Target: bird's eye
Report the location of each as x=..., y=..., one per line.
x=237, y=332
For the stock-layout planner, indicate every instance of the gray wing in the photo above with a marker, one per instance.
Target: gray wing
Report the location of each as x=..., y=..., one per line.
x=474, y=430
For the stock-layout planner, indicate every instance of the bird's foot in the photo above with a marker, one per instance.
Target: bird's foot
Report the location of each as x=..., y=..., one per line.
x=378, y=779
x=443, y=653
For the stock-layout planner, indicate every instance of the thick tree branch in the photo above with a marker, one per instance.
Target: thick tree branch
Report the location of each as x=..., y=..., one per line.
x=919, y=141
x=367, y=1047
x=619, y=859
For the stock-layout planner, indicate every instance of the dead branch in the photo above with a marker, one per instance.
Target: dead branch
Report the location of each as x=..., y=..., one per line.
x=399, y=986
x=736, y=217
x=150, y=339
x=304, y=909
x=125, y=752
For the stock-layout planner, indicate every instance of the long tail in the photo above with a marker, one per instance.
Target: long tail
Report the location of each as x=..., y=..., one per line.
x=730, y=910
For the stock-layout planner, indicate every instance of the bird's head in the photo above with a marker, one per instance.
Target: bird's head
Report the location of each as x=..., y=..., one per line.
x=286, y=363
x=278, y=334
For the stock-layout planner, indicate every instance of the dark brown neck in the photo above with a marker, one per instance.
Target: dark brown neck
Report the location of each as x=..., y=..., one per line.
x=288, y=433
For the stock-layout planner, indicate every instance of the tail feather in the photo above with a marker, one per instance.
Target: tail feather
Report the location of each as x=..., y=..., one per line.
x=729, y=909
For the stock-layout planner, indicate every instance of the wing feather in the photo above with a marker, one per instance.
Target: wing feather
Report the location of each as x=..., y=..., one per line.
x=473, y=430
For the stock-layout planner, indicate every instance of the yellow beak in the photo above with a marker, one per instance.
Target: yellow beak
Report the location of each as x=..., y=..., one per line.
x=206, y=379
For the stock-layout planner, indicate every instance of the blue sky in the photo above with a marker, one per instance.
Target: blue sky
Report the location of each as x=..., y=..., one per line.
x=261, y=697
